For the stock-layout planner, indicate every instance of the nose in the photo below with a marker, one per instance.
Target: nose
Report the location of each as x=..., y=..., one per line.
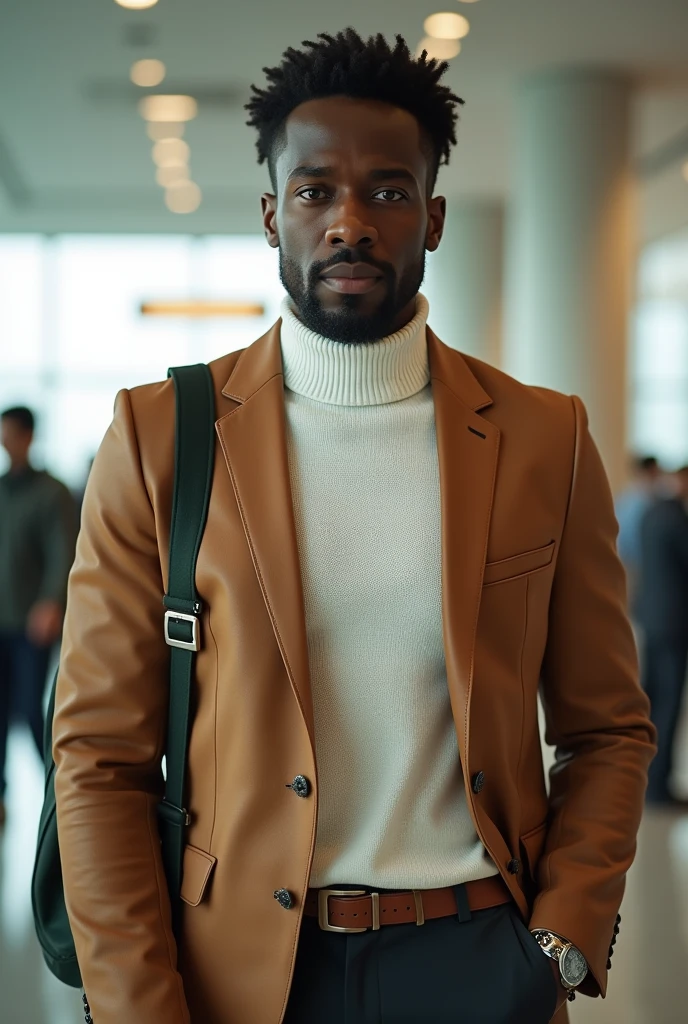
x=349, y=228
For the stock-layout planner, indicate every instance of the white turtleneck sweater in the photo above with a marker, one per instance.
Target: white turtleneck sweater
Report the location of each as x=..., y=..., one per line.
x=365, y=484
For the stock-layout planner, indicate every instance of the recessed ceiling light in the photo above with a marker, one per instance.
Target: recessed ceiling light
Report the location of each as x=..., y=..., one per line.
x=136, y=5
x=439, y=49
x=446, y=25
x=183, y=198
x=170, y=152
x=147, y=72
x=168, y=108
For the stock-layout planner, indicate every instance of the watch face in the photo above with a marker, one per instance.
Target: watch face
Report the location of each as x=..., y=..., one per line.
x=573, y=966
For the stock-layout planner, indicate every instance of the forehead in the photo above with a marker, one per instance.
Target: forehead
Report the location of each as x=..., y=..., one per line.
x=340, y=131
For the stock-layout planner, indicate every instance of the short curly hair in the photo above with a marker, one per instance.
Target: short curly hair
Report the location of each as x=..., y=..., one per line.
x=347, y=65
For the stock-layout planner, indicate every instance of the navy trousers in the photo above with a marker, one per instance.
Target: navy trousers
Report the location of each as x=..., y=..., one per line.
x=23, y=674
x=664, y=663
x=485, y=970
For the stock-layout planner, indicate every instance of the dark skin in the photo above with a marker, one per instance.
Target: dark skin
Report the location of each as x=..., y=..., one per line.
x=352, y=183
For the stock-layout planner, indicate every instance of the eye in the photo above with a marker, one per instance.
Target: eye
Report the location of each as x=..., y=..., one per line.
x=311, y=194
x=389, y=195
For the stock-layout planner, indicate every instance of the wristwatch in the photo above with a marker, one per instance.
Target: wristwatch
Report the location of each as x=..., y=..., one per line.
x=573, y=966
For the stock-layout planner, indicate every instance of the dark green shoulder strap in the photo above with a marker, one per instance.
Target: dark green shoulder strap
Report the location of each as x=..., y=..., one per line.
x=193, y=473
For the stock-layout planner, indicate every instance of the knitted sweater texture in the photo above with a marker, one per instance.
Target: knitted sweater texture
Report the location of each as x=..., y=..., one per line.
x=365, y=488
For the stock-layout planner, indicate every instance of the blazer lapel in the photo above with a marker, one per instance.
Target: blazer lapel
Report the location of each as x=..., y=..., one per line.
x=467, y=447
x=253, y=439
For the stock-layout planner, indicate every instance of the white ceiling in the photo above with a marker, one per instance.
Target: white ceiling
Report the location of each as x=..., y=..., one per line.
x=74, y=154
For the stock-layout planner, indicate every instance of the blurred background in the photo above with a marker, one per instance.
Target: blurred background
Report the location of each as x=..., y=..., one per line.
x=130, y=241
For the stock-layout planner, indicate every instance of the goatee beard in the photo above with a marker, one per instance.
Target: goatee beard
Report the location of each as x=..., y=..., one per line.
x=347, y=324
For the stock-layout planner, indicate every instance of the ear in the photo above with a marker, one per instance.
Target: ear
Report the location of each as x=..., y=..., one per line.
x=437, y=211
x=268, y=204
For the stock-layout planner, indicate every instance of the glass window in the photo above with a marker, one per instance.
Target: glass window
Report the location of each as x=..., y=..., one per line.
x=72, y=333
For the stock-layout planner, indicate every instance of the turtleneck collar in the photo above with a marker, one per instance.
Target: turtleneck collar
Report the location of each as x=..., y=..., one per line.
x=373, y=373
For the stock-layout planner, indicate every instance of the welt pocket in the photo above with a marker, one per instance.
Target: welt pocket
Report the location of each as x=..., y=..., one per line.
x=532, y=845
x=518, y=565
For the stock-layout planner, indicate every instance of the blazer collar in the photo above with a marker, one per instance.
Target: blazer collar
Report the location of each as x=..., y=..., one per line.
x=262, y=360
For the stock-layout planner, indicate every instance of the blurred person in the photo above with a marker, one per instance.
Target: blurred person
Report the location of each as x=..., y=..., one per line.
x=662, y=608
x=630, y=507
x=37, y=538
x=402, y=544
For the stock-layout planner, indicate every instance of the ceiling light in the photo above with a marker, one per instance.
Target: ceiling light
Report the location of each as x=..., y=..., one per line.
x=439, y=49
x=446, y=26
x=172, y=174
x=169, y=152
x=201, y=308
x=183, y=198
x=136, y=5
x=147, y=72
x=685, y=170
x=164, y=130
x=168, y=108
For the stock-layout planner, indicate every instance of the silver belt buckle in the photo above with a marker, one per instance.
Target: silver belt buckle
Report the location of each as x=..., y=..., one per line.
x=323, y=911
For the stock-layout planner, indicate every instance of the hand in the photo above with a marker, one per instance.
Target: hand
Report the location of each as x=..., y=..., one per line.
x=44, y=623
x=563, y=992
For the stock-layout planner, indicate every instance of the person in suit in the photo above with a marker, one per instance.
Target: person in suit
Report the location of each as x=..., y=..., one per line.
x=38, y=528
x=402, y=545
x=663, y=614
x=630, y=507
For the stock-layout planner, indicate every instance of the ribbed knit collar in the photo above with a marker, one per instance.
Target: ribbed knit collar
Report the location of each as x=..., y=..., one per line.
x=374, y=373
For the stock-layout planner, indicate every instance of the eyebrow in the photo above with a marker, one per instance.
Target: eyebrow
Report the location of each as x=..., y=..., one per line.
x=381, y=174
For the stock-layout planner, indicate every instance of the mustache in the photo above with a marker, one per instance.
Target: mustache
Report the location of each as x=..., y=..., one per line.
x=350, y=256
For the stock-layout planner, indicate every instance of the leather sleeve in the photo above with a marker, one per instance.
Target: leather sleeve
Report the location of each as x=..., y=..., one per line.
x=108, y=735
x=596, y=717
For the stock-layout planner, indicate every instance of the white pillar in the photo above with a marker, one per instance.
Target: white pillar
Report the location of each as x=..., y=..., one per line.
x=570, y=246
x=464, y=279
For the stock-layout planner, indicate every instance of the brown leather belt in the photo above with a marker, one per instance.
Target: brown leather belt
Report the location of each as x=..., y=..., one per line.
x=340, y=910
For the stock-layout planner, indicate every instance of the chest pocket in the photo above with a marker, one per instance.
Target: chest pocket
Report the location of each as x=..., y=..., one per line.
x=518, y=565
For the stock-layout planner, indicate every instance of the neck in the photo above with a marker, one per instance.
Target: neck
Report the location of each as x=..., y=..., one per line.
x=19, y=465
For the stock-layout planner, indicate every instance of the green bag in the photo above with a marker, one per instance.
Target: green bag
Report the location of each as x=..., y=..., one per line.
x=193, y=471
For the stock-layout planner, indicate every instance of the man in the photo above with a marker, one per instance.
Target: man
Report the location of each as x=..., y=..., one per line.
x=37, y=537
x=631, y=505
x=401, y=543
x=663, y=614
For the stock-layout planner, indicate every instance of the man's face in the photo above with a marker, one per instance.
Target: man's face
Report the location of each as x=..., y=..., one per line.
x=15, y=439
x=352, y=219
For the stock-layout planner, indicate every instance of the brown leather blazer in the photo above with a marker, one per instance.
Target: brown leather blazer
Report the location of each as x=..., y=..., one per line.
x=533, y=595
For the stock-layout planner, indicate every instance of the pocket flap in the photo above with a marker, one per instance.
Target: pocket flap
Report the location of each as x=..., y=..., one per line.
x=196, y=871
x=518, y=565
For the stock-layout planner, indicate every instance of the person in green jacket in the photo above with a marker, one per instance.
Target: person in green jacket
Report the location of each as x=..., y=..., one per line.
x=38, y=528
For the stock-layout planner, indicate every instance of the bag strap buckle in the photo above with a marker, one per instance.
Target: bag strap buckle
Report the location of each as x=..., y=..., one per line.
x=192, y=644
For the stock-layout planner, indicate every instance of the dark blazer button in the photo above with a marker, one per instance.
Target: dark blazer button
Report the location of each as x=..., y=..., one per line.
x=283, y=897
x=513, y=866
x=478, y=781
x=300, y=785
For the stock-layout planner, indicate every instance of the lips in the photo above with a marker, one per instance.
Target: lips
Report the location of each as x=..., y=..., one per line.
x=352, y=271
